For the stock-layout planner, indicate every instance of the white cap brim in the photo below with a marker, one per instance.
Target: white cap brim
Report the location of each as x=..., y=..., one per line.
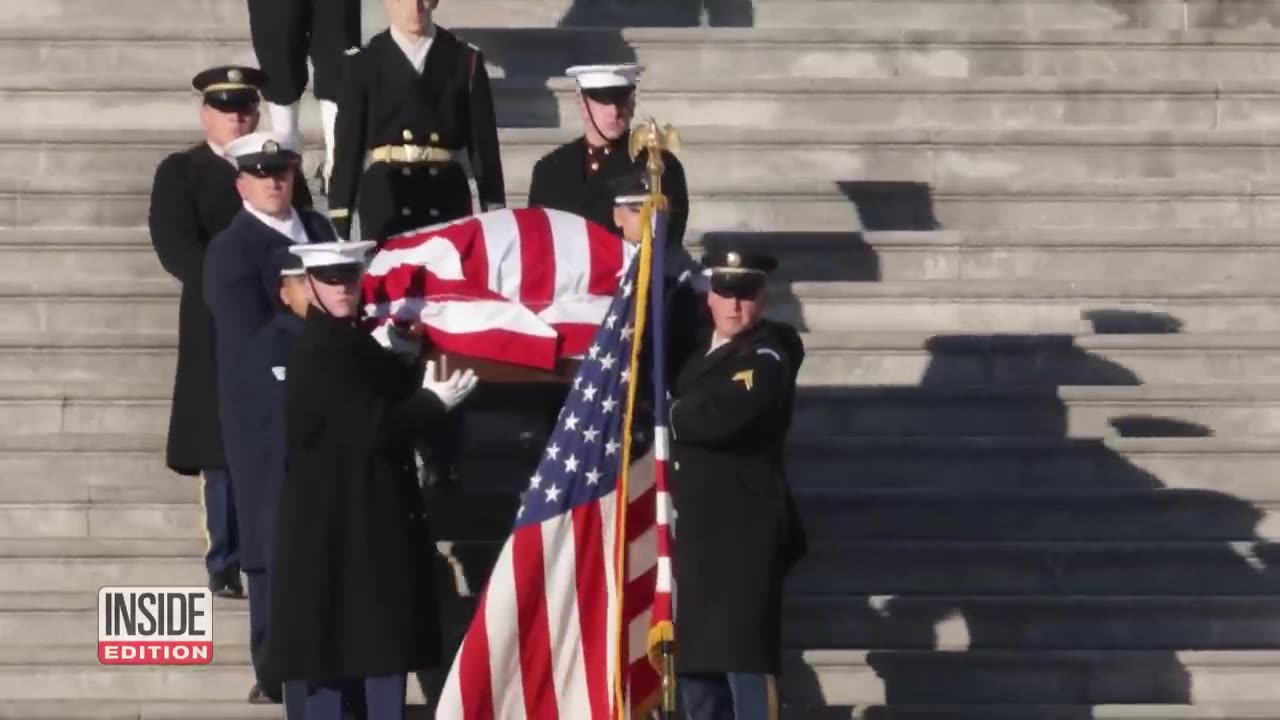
x=592, y=77
x=332, y=253
x=260, y=142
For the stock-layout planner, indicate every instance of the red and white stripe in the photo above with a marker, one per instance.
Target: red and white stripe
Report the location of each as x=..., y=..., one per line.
x=525, y=286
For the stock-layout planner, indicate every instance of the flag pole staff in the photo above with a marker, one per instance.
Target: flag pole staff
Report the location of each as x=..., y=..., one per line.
x=654, y=141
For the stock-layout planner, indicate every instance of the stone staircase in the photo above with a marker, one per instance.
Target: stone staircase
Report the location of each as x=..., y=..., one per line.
x=1028, y=242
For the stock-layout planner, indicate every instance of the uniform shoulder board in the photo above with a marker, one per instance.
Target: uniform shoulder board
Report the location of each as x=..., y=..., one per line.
x=770, y=352
x=278, y=371
x=474, y=48
x=352, y=51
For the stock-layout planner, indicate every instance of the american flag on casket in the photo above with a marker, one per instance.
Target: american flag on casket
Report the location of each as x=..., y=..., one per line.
x=524, y=286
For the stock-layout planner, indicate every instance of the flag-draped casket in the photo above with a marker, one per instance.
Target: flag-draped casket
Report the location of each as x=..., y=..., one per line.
x=506, y=290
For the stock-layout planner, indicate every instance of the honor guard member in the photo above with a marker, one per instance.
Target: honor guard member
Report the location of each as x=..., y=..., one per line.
x=417, y=101
x=284, y=34
x=353, y=591
x=256, y=417
x=576, y=177
x=739, y=531
x=193, y=198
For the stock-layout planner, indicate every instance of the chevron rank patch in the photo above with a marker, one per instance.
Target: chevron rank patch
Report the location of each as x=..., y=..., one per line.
x=746, y=377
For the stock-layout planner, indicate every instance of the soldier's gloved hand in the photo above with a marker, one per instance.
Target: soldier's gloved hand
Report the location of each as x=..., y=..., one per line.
x=452, y=390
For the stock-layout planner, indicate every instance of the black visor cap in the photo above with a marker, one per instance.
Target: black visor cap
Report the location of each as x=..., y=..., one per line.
x=275, y=166
x=742, y=286
x=337, y=274
x=240, y=100
x=610, y=95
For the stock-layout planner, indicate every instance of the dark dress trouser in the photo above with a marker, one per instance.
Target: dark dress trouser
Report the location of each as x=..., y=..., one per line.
x=729, y=696
x=222, y=554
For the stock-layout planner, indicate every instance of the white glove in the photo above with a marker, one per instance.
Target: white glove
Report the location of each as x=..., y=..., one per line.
x=451, y=391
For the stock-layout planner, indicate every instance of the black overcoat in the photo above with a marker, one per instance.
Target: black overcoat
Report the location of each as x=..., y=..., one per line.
x=193, y=198
x=255, y=435
x=353, y=592
x=737, y=531
x=560, y=181
x=384, y=101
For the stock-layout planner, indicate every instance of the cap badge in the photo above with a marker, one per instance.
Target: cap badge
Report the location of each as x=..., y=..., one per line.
x=234, y=75
x=271, y=147
x=733, y=259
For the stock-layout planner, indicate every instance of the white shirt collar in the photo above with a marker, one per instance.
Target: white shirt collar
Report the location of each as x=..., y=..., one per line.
x=415, y=50
x=717, y=342
x=291, y=228
x=220, y=152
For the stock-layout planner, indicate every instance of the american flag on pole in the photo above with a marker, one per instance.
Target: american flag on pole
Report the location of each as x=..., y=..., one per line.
x=525, y=286
x=563, y=627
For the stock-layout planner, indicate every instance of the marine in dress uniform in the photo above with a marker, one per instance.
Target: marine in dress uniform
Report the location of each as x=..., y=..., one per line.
x=193, y=198
x=352, y=576
x=736, y=521
x=576, y=177
x=284, y=34
x=417, y=102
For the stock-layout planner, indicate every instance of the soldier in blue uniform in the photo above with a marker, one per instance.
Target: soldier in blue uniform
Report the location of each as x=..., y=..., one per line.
x=193, y=198
x=256, y=420
x=239, y=283
x=738, y=531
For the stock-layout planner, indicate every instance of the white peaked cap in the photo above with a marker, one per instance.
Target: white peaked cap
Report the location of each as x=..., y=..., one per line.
x=267, y=143
x=590, y=77
x=332, y=253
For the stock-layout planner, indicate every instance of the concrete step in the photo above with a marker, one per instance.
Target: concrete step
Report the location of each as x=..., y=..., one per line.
x=1084, y=411
x=107, y=102
x=1116, y=514
x=99, y=709
x=1043, y=568
x=814, y=206
x=1036, y=623
x=75, y=161
x=1220, y=684
x=832, y=359
x=1211, y=409
x=1038, y=711
x=742, y=52
x=228, y=19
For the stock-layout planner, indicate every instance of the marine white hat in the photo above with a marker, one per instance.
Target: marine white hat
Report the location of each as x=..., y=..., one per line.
x=329, y=254
x=592, y=77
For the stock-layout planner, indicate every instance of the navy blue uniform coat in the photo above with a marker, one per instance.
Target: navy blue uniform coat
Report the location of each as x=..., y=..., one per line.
x=256, y=429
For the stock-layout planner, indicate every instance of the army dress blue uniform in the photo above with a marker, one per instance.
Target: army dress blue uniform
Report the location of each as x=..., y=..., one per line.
x=193, y=198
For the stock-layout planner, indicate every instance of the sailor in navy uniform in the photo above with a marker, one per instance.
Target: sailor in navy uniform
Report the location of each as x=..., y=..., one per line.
x=416, y=101
x=284, y=34
x=576, y=177
x=239, y=282
x=193, y=198
x=255, y=425
x=353, y=587
x=736, y=521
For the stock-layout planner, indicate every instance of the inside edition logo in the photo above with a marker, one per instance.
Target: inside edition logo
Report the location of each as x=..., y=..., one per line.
x=155, y=626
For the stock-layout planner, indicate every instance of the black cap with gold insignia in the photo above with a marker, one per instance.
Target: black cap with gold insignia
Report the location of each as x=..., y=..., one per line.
x=230, y=88
x=735, y=273
x=631, y=187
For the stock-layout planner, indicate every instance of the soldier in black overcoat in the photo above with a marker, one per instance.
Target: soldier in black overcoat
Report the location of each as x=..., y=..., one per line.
x=193, y=198
x=737, y=530
x=578, y=177
x=353, y=590
x=416, y=101
x=284, y=34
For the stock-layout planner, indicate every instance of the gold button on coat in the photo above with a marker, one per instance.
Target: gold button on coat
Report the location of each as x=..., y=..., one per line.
x=406, y=211
x=435, y=137
x=406, y=171
x=407, y=135
x=434, y=212
x=434, y=171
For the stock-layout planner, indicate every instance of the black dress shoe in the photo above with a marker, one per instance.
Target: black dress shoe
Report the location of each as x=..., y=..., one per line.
x=227, y=585
x=260, y=694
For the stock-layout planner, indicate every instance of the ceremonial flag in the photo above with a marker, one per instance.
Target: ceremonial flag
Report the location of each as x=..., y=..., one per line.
x=563, y=627
x=525, y=286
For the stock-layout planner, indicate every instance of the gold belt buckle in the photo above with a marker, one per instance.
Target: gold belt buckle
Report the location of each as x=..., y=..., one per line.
x=410, y=153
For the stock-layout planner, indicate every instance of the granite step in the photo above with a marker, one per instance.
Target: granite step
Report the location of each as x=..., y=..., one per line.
x=85, y=161
x=227, y=19
x=137, y=104
x=740, y=52
x=845, y=206
x=831, y=359
x=1017, y=685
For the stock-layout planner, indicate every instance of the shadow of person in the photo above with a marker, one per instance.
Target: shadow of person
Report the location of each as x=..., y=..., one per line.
x=985, y=556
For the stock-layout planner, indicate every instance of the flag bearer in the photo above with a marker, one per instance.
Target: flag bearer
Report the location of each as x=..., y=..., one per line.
x=416, y=101
x=353, y=593
x=737, y=531
x=577, y=177
x=285, y=33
